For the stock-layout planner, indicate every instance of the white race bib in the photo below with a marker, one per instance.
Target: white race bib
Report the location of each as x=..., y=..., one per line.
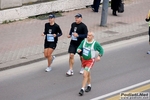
x=73, y=37
x=86, y=51
x=50, y=38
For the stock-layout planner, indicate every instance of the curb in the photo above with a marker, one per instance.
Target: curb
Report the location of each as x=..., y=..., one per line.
x=63, y=53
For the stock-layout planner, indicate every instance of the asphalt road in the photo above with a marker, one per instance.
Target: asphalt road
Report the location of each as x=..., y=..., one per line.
x=124, y=64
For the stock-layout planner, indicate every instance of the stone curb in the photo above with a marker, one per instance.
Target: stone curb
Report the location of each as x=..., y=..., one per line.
x=29, y=61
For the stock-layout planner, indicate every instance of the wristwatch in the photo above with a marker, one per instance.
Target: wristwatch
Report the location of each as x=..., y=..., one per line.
x=100, y=55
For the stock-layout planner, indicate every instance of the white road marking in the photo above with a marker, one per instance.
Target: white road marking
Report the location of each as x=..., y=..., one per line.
x=121, y=90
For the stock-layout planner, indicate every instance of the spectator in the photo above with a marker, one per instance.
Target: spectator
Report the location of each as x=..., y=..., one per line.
x=114, y=6
x=95, y=6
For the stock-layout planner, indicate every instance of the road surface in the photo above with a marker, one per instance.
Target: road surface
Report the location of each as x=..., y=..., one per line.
x=124, y=64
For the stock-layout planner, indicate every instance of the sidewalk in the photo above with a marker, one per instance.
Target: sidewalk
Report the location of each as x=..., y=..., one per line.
x=21, y=42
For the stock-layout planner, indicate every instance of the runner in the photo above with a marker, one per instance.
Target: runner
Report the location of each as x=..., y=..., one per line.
x=89, y=46
x=148, y=20
x=77, y=33
x=52, y=32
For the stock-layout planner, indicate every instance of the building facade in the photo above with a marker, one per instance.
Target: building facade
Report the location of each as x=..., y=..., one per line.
x=20, y=9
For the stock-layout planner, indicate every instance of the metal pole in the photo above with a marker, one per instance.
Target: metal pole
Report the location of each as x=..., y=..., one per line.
x=104, y=13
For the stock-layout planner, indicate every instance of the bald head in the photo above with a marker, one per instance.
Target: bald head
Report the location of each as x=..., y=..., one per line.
x=91, y=33
x=90, y=36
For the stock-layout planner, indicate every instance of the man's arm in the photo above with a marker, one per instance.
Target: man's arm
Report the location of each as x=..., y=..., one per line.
x=70, y=33
x=79, y=49
x=100, y=50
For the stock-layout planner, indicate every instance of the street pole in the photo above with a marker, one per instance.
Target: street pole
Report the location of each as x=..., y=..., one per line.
x=104, y=13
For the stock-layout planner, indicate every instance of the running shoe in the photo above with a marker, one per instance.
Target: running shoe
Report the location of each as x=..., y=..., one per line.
x=82, y=70
x=70, y=72
x=88, y=89
x=48, y=69
x=148, y=52
x=81, y=92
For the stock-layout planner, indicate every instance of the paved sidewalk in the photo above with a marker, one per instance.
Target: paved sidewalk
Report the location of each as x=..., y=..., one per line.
x=21, y=42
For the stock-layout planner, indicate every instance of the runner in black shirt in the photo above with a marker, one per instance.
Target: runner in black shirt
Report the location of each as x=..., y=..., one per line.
x=77, y=33
x=148, y=20
x=52, y=32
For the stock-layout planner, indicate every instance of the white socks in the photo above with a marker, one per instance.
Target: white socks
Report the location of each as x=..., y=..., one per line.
x=89, y=85
x=82, y=89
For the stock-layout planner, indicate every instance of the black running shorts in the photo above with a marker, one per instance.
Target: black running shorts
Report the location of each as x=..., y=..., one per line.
x=50, y=45
x=73, y=49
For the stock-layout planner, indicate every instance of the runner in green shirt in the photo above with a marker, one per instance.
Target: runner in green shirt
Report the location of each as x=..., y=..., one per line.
x=89, y=47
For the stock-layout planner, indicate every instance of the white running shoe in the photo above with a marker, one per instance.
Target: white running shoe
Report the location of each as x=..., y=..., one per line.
x=148, y=52
x=70, y=72
x=82, y=70
x=48, y=69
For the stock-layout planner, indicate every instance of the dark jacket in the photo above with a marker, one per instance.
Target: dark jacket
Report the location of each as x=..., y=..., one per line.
x=81, y=30
x=55, y=30
x=115, y=4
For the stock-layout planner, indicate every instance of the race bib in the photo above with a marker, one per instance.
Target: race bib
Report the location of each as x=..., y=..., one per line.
x=50, y=38
x=73, y=37
x=86, y=51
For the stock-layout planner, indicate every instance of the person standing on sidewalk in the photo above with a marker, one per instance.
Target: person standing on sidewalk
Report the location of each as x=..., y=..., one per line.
x=96, y=4
x=52, y=32
x=88, y=47
x=114, y=6
x=148, y=20
x=78, y=32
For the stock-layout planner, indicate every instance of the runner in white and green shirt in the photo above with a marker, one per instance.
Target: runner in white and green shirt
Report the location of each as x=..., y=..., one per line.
x=89, y=47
